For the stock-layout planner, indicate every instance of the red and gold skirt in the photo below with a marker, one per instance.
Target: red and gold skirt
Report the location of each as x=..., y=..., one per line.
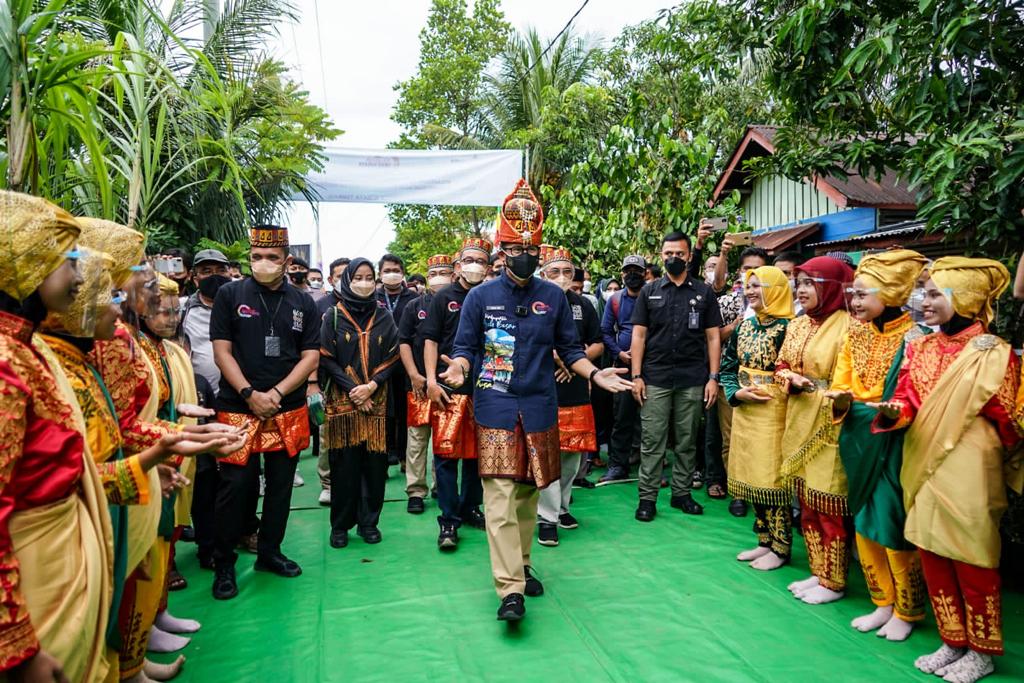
x=454, y=429
x=283, y=432
x=576, y=429
x=417, y=410
x=532, y=457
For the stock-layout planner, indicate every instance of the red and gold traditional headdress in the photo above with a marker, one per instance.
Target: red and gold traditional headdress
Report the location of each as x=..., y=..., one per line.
x=268, y=236
x=439, y=261
x=521, y=217
x=480, y=243
x=548, y=254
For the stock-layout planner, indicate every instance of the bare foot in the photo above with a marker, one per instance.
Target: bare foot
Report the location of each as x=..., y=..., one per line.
x=801, y=586
x=819, y=595
x=768, y=562
x=750, y=555
x=877, y=619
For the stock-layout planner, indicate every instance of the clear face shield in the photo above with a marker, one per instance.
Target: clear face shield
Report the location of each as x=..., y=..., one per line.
x=93, y=296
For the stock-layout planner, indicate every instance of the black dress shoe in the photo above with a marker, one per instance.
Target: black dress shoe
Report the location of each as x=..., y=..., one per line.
x=687, y=504
x=188, y=534
x=224, y=585
x=278, y=564
x=534, y=588
x=513, y=607
x=414, y=506
x=583, y=484
x=475, y=519
x=339, y=539
x=738, y=508
x=371, y=535
x=646, y=511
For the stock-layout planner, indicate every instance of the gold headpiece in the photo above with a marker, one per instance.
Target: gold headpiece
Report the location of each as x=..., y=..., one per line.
x=974, y=284
x=894, y=273
x=37, y=236
x=126, y=246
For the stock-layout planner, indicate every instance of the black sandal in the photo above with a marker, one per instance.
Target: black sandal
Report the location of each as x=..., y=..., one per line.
x=175, y=581
x=716, y=491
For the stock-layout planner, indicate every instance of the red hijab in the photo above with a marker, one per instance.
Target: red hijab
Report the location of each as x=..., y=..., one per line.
x=832, y=277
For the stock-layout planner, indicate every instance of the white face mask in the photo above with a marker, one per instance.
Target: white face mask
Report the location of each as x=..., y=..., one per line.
x=363, y=288
x=563, y=282
x=316, y=284
x=473, y=273
x=607, y=294
x=587, y=286
x=391, y=279
x=438, y=281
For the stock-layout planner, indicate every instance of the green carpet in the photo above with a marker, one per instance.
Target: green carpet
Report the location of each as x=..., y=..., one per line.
x=623, y=601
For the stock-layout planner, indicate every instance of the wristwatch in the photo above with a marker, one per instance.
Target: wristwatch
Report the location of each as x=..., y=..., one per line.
x=638, y=376
x=717, y=376
x=246, y=393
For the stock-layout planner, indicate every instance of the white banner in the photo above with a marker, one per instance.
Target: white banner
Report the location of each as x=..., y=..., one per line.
x=386, y=176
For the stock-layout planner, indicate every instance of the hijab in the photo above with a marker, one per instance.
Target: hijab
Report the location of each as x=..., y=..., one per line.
x=973, y=284
x=893, y=273
x=775, y=292
x=831, y=278
x=360, y=308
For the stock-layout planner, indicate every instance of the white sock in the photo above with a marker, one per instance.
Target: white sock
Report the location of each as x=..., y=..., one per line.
x=165, y=621
x=768, y=562
x=162, y=642
x=877, y=619
x=800, y=586
x=939, y=659
x=162, y=672
x=971, y=667
x=140, y=677
x=748, y=555
x=896, y=629
x=819, y=595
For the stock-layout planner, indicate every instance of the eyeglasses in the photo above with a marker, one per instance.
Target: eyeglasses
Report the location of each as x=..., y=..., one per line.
x=855, y=293
x=469, y=260
x=809, y=281
x=556, y=272
x=519, y=250
x=120, y=296
x=73, y=254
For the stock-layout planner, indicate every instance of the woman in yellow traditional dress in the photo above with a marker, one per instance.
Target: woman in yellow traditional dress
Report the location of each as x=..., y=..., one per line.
x=955, y=398
x=866, y=372
x=748, y=378
x=810, y=451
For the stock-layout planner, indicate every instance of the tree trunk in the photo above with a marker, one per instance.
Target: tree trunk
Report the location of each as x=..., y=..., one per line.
x=19, y=138
x=476, y=223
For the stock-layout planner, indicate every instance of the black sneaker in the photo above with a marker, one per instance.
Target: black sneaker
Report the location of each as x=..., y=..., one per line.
x=547, y=534
x=534, y=588
x=697, y=481
x=393, y=459
x=614, y=475
x=513, y=607
x=687, y=504
x=646, y=511
x=475, y=519
x=448, y=539
x=224, y=585
x=415, y=505
x=567, y=521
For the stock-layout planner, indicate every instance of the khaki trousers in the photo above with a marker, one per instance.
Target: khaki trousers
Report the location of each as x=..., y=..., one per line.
x=323, y=462
x=511, y=512
x=725, y=424
x=418, y=438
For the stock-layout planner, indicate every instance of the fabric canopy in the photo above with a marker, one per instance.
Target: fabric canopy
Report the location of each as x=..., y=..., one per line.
x=393, y=176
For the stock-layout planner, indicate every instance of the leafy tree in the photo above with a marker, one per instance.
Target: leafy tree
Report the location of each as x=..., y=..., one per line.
x=934, y=90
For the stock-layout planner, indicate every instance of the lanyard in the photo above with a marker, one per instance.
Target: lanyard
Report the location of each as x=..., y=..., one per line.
x=387, y=300
x=266, y=309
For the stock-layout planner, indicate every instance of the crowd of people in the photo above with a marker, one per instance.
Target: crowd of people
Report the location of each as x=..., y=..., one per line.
x=153, y=399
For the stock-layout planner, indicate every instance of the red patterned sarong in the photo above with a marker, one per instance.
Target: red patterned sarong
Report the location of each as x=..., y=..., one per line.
x=282, y=432
x=966, y=602
x=532, y=457
x=417, y=410
x=454, y=429
x=576, y=429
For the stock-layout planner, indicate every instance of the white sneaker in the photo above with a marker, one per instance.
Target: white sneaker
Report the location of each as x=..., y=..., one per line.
x=298, y=480
x=325, y=497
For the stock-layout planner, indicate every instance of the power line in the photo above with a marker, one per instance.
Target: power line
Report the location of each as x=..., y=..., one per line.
x=320, y=50
x=553, y=41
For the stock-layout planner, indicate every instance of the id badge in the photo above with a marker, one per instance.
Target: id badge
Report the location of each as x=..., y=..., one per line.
x=694, y=320
x=272, y=347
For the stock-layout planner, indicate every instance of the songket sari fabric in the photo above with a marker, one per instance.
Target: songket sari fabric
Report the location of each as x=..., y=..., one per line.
x=454, y=429
x=528, y=457
x=577, y=432
x=417, y=410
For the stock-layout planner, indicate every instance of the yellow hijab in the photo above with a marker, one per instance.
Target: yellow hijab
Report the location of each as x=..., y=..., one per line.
x=126, y=246
x=893, y=273
x=35, y=237
x=775, y=292
x=974, y=284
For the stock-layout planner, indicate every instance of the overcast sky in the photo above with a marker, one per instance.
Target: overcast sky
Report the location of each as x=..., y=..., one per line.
x=363, y=49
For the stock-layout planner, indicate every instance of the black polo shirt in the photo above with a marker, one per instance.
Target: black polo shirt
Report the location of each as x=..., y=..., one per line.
x=588, y=330
x=326, y=303
x=442, y=322
x=676, y=352
x=410, y=330
x=241, y=317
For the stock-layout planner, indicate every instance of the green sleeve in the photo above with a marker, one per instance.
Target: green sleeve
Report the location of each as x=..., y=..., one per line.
x=731, y=366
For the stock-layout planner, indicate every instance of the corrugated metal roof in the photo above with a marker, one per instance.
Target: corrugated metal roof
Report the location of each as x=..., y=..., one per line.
x=891, y=231
x=779, y=240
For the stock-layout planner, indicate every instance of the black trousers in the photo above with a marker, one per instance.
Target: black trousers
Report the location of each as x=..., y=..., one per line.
x=357, y=476
x=453, y=501
x=397, y=429
x=204, y=504
x=237, y=495
x=714, y=466
x=625, y=430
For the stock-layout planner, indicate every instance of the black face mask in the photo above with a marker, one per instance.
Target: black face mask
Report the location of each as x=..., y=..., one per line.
x=297, y=277
x=633, y=281
x=210, y=285
x=675, y=266
x=522, y=266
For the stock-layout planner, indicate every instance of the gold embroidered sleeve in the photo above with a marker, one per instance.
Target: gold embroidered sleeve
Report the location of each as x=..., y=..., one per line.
x=124, y=482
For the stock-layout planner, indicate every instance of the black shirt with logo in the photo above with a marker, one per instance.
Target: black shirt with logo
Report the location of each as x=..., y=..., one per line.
x=442, y=322
x=410, y=329
x=242, y=315
x=588, y=329
x=676, y=316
